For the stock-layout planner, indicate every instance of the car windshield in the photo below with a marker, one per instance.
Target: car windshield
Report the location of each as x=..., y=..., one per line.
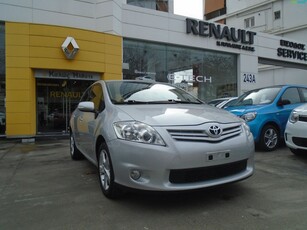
x=216, y=101
x=257, y=97
x=135, y=92
x=230, y=102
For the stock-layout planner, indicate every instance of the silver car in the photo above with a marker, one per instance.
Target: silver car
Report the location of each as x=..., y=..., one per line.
x=155, y=136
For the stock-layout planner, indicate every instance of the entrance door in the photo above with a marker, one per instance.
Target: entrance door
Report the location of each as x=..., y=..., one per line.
x=56, y=100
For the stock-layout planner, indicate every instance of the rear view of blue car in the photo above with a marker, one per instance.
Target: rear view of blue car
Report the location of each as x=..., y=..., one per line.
x=266, y=110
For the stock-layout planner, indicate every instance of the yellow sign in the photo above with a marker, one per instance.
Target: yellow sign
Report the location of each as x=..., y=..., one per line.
x=61, y=94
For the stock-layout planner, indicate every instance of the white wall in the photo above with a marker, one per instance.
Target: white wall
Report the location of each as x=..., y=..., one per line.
x=108, y=16
x=295, y=15
x=291, y=26
x=279, y=76
x=263, y=15
x=247, y=67
x=237, y=5
x=298, y=35
x=145, y=24
x=98, y=15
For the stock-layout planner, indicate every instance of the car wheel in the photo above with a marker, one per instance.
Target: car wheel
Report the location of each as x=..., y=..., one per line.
x=106, y=174
x=74, y=151
x=269, y=139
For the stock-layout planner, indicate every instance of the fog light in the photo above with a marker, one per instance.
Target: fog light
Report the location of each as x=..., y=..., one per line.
x=135, y=174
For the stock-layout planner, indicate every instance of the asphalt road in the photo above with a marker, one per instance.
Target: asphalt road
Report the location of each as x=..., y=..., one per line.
x=42, y=188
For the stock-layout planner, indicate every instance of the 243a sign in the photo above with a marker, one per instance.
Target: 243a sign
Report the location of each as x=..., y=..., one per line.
x=249, y=77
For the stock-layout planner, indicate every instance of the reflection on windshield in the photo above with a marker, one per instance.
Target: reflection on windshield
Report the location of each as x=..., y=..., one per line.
x=258, y=97
x=122, y=92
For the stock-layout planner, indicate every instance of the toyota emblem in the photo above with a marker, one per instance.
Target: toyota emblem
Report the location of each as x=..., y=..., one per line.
x=215, y=131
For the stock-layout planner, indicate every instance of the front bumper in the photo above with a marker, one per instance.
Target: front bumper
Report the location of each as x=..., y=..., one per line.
x=296, y=136
x=182, y=165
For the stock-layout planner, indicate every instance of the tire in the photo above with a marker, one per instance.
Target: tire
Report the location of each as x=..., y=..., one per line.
x=74, y=151
x=269, y=139
x=106, y=174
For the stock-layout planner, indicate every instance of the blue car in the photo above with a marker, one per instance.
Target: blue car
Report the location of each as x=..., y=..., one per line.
x=266, y=110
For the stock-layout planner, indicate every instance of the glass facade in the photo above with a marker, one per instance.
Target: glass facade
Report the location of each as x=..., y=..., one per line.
x=2, y=79
x=56, y=100
x=206, y=74
x=160, y=5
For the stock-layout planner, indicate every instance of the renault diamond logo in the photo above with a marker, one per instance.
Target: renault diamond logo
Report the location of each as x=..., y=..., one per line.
x=70, y=47
x=215, y=131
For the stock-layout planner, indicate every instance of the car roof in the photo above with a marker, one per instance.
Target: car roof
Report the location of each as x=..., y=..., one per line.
x=279, y=86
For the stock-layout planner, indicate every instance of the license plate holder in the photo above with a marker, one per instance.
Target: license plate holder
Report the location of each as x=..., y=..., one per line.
x=220, y=155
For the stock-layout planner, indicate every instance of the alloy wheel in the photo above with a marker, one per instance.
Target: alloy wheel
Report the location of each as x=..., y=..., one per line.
x=72, y=145
x=104, y=170
x=270, y=138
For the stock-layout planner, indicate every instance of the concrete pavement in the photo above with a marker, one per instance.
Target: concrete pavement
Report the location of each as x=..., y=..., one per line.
x=42, y=188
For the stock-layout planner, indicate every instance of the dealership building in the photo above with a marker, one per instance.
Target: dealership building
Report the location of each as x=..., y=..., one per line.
x=51, y=51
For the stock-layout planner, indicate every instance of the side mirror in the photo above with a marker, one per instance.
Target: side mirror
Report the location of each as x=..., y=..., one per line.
x=283, y=102
x=86, y=106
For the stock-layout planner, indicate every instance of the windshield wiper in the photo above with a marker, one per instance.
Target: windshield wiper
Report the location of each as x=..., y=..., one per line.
x=170, y=101
x=147, y=102
x=135, y=102
x=184, y=102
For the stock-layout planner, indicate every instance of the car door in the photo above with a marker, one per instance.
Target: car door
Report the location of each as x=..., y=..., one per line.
x=90, y=120
x=80, y=127
x=291, y=99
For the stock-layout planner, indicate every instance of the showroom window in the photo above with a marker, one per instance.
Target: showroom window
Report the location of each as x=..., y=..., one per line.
x=205, y=74
x=56, y=100
x=160, y=5
x=2, y=79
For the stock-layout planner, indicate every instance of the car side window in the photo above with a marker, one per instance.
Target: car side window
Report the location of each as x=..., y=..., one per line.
x=85, y=96
x=304, y=94
x=291, y=95
x=96, y=96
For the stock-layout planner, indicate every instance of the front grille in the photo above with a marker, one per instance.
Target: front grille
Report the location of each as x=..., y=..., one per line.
x=180, y=176
x=228, y=131
x=302, y=118
x=300, y=141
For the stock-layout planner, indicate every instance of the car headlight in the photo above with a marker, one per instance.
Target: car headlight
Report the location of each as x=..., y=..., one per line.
x=249, y=116
x=138, y=132
x=293, y=117
x=246, y=128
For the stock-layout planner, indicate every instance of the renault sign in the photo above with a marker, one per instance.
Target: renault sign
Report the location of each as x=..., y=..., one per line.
x=70, y=47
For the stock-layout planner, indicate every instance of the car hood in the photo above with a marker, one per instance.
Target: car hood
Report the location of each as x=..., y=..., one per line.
x=302, y=109
x=169, y=115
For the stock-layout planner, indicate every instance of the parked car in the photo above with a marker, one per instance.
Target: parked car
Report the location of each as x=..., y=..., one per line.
x=227, y=103
x=222, y=102
x=215, y=102
x=296, y=130
x=154, y=136
x=266, y=110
